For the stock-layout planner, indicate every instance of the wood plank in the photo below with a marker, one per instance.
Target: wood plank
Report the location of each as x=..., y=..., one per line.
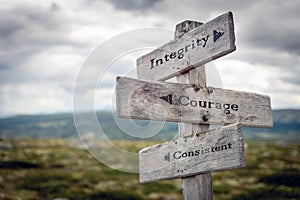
x=215, y=150
x=198, y=186
x=196, y=47
x=190, y=103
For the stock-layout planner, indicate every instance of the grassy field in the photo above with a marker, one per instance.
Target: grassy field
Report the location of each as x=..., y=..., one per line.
x=53, y=169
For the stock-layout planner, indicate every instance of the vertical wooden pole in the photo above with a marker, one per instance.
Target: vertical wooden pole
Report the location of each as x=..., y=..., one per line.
x=197, y=187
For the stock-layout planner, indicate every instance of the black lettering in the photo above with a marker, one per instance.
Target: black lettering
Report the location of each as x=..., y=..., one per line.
x=205, y=40
x=186, y=47
x=193, y=103
x=234, y=107
x=166, y=57
x=202, y=104
x=218, y=106
x=198, y=42
x=193, y=44
x=180, y=102
x=224, y=147
x=190, y=153
x=226, y=107
x=179, y=154
x=184, y=155
x=157, y=62
x=152, y=63
x=209, y=104
x=174, y=155
x=180, y=53
x=173, y=55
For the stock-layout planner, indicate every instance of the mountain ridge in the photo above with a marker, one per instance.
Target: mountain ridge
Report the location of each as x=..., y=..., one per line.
x=61, y=125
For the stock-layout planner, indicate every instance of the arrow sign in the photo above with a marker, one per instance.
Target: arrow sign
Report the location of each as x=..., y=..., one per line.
x=167, y=98
x=184, y=103
x=212, y=151
x=198, y=46
x=217, y=35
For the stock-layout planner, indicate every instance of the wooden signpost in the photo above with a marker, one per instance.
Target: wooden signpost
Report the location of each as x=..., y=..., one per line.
x=196, y=47
x=186, y=103
x=210, y=151
x=198, y=151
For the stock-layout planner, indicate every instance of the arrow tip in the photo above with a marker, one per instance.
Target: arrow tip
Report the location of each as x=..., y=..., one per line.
x=217, y=35
x=167, y=98
x=167, y=157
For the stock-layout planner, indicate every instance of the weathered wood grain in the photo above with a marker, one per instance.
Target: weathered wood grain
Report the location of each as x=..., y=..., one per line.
x=190, y=103
x=196, y=47
x=198, y=186
x=215, y=150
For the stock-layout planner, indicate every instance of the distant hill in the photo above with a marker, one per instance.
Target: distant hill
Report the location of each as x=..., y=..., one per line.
x=286, y=127
x=63, y=126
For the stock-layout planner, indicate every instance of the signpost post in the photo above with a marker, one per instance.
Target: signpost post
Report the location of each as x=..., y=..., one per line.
x=198, y=186
x=198, y=151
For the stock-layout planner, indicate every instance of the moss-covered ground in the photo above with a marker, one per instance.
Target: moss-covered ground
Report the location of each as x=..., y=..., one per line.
x=53, y=169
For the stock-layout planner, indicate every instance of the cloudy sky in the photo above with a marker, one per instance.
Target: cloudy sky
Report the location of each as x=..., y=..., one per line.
x=44, y=46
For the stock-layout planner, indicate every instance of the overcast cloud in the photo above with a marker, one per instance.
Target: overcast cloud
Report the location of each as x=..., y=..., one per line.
x=43, y=46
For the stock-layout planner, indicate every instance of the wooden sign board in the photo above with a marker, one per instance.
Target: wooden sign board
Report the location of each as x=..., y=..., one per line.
x=186, y=103
x=196, y=47
x=215, y=150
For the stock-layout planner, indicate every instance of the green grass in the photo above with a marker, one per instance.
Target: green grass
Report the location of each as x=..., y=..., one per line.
x=49, y=169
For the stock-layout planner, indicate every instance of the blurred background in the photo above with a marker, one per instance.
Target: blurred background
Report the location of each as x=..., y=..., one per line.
x=43, y=48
